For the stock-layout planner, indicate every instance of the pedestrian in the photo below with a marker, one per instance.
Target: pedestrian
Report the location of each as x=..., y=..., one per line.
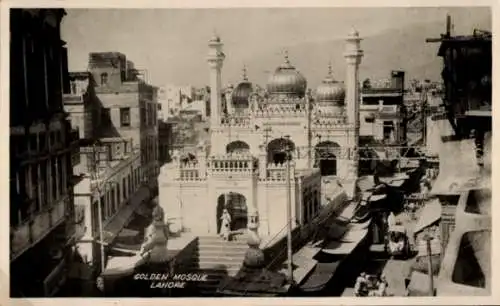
x=360, y=287
x=225, y=229
x=391, y=220
x=382, y=286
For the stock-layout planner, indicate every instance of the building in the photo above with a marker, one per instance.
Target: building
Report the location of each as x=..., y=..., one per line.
x=41, y=144
x=111, y=166
x=129, y=107
x=173, y=98
x=242, y=167
x=465, y=132
x=165, y=141
x=382, y=110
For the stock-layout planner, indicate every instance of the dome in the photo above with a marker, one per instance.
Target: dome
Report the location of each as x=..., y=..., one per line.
x=330, y=90
x=254, y=258
x=287, y=80
x=241, y=94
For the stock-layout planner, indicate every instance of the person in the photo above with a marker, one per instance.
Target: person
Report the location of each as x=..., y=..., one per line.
x=360, y=287
x=382, y=286
x=225, y=228
x=391, y=220
x=156, y=238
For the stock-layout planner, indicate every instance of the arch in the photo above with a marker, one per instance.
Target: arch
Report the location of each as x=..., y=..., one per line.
x=325, y=157
x=237, y=146
x=236, y=204
x=276, y=150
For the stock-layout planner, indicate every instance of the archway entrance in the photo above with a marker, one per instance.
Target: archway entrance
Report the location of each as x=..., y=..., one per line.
x=325, y=157
x=237, y=147
x=236, y=205
x=276, y=149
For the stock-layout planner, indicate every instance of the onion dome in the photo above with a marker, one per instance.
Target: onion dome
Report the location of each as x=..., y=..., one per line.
x=241, y=94
x=330, y=90
x=286, y=80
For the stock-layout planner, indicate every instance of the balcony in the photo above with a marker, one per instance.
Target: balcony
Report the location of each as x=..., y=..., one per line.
x=73, y=98
x=36, y=228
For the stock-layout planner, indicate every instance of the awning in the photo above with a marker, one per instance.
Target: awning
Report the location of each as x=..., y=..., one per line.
x=339, y=247
x=431, y=212
x=113, y=228
x=321, y=274
x=122, y=265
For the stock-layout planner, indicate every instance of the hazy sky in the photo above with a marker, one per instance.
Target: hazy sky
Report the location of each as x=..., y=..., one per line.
x=171, y=44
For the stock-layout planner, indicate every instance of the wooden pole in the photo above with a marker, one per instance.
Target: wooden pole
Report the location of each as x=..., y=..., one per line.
x=428, y=239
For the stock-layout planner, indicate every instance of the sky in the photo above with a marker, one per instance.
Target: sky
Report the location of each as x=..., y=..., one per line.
x=171, y=44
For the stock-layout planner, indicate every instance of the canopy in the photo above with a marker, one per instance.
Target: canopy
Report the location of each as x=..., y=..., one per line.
x=123, y=265
x=339, y=247
x=430, y=214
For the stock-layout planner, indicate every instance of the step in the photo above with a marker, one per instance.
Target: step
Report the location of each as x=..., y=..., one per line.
x=225, y=252
x=219, y=239
x=220, y=258
x=221, y=246
x=219, y=266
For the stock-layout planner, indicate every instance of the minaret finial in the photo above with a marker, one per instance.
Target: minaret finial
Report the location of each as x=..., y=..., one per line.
x=330, y=73
x=287, y=61
x=215, y=36
x=245, y=78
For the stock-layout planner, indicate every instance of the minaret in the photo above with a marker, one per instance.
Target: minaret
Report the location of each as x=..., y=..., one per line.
x=353, y=55
x=215, y=60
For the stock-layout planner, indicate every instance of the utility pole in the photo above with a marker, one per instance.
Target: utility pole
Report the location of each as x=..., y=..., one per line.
x=99, y=208
x=289, y=209
x=427, y=238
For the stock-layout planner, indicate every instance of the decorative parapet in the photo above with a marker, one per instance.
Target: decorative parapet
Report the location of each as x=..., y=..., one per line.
x=277, y=172
x=285, y=110
x=234, y=163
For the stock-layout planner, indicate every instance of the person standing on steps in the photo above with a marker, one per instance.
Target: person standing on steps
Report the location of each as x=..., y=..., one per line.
x=225, y=228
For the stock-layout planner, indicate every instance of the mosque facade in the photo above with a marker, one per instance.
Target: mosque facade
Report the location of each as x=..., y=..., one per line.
x=243, y=168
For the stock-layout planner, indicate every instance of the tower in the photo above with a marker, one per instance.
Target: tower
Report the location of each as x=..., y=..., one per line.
x=215, y=60
x=353, y=55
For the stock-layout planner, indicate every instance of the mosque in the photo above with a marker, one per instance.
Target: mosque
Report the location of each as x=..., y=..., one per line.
x=243, y=167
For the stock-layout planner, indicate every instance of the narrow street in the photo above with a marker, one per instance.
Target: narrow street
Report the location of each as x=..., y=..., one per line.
x=394, y=269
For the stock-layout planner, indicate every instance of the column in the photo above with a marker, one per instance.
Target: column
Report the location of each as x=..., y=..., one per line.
x=353, y=55
x=215, y=60
x=262, y=164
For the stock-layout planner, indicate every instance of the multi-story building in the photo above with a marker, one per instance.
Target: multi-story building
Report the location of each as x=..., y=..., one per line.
x=41, y=144
x=382, y=110
x=129, y=107
x=173, y=98
x=165, y=140
x=464, y=185
x=110, y=164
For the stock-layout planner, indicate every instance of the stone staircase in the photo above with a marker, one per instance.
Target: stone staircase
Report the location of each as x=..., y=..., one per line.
x=218, y=259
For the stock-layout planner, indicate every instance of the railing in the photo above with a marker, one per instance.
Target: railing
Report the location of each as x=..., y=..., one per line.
x=276, y=172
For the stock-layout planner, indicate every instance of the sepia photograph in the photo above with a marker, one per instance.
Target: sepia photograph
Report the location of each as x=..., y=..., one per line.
x=250, y=152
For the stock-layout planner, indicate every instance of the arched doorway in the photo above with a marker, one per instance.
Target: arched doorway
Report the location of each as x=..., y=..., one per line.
x=325, y=157
x=237, y=147
x=236, y=205
x=276, y=149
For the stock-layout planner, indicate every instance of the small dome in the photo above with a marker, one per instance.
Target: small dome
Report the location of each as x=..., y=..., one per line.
x=254, y=258
x=330, y=90
x=287, y=80
x=241, y=94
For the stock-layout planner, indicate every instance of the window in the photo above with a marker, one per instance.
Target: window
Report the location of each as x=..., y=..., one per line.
x=104, y=78
x=125, y=116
